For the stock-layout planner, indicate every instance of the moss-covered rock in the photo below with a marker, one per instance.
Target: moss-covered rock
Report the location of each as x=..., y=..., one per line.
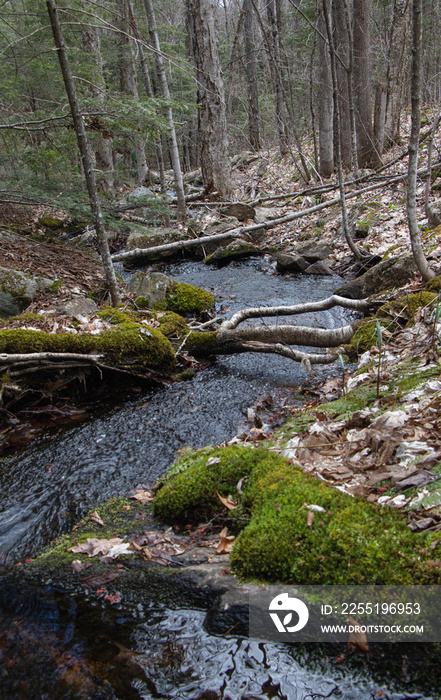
x=50, y=222
x=183, y=298
x=350, y=541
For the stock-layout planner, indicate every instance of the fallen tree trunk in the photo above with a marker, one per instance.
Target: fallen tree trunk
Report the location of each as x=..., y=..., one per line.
x=187, y=244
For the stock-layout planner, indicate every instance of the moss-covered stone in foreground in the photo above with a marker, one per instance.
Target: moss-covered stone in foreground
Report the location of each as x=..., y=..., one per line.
x=350, y=542
x=183, y=298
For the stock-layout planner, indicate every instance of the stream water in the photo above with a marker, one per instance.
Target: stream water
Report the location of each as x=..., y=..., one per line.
x=57, y=647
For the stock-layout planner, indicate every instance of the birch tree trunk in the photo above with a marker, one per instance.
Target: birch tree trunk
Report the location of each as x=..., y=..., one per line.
x=212, y=121
x=86, y=158
x=165, y=94
x=415, y=238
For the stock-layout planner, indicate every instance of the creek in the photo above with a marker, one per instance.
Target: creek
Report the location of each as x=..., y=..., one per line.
x=61, y=647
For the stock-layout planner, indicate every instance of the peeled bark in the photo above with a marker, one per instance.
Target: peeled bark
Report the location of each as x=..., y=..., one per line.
x=86, y=159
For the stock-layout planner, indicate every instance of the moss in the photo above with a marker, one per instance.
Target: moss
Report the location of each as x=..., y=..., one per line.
x=127, y=344
x=28, y=317
x=142, y=303
x=50, y=222
x=187, y=493
x=200, y=343
x=57, y=284
x=410, y=303
x=349, y=542
x=172, y=324
x=183, y=298
x=365, y=336
x=434, y=285
x=116, y=316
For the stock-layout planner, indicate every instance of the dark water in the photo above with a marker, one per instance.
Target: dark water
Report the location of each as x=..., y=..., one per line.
x=52, y=646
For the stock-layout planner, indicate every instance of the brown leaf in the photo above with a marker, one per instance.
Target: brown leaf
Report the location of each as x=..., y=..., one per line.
x=96, y=518
x=142, y=496
x=357, y=640
x=94, y=546
x=228, y=502
x=225, y=545
x=310, y=518
x=78, y=566
x=93, y=582
x=212, y=460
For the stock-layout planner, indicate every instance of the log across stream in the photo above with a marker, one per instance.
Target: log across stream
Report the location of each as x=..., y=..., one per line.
x=60, y=647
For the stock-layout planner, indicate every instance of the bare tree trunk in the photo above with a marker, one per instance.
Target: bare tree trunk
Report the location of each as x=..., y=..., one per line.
x=337, y=132
x=326, y=106
x=341, y=44
x=415, y=238
x=251, y=73
x=165, y=94
x=212, y=121
x=367, y=155
x=97, y=87
x=129, y=85
x=86, y=159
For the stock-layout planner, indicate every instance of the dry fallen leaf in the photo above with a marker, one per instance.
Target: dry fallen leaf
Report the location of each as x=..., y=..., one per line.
x=78, y=566
x=228, y=502
x=226, y=542
x=357, y=640
x=96, y=518
x=94, y=546
x=212, y=460
x=142, y=496
x=92, y=582
x=310, y=518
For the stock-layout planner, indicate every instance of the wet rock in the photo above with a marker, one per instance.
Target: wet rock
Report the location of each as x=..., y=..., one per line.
x=150, y=237
x=151, y=285
x=18, y=290
x=390, y=273
x=240, y=211
x=321, y=267
x=236, y=250
x=434, y=213
x=290, y=262
x=313, y=252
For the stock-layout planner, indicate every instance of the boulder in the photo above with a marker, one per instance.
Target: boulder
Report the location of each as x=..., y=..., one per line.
x=235, y=250
x=150, y=285
x=434, y=213
x=240, y=211
x=222, y=225
x=150, y=237
x=290, y=262
x=136, y=198
x=321, y=267
x=78, y=307
x=389, y=273
x=313, y=252
x=18, y=290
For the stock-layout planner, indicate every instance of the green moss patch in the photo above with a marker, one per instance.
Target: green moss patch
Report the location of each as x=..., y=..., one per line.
x=350, y=541
x=183, y=298
x=127, y=344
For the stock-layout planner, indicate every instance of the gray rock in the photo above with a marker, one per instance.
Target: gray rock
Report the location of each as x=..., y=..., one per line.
x=290, y=262
x=321, y=267
x=264, y=214
x=222, y=225
x=18, y=290
x=240, y=211
x=78, y=307
x=389, y=273
x=136, y=197
x=434, y=213
x=313, y=252
x=236, y=250
x=151, y=285
x=150, y=237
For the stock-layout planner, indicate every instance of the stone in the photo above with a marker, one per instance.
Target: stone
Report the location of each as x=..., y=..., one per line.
x=135, y=197
x=290, y=262
x=151, y=237
x=313, y=252
x=434, y=213
x=222, y=225
x=235, y=250
x=78, y=307
x=321, y=267
x=240, y=211
x=151, y=285
x=389, y=273
x=18, y=290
